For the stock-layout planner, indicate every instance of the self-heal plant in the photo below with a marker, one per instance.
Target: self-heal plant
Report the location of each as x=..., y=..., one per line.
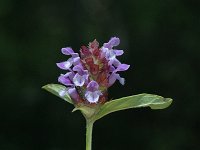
x=86, y=81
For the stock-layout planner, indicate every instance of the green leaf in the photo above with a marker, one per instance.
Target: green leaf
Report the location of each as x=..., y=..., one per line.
x=55, y=89
x=135, y=101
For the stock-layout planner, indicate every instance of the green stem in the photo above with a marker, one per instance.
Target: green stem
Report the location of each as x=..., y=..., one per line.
x=89, y=127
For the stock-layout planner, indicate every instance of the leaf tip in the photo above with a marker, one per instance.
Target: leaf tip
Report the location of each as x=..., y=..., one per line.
x=44, y=87
x=169, y=101
x=166, y=102
x=47, y=86
x=75, y=109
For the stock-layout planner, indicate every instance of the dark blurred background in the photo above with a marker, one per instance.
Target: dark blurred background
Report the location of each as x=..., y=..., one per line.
x=161, y=43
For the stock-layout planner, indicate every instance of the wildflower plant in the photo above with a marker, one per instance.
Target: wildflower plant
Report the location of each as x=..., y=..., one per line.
x=86, y=80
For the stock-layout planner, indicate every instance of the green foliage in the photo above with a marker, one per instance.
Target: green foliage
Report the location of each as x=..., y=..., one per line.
x=96, y=112
x=55, y=89
x=135, y=101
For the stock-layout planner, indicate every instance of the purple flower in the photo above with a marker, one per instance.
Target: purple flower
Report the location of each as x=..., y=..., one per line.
x=118, y=52
x=74, y=60
x=65, y=80
x=114, y=41
x=115, y=65
x=65, y=65
x=92, y=94
x=69, y=51
x=122, y=67
x=79, y=68
x=79, y=80
x=90, y=75
x=114, y=76
x=73, y=93
x=110, y=54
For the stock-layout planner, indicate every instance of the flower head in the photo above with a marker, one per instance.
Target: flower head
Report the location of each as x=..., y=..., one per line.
x=93, y=72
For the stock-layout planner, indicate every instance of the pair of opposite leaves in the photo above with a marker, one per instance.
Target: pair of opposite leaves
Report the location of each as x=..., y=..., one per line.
x=97, y=112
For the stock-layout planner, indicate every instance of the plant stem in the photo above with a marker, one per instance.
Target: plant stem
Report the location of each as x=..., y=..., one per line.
x=89, y=127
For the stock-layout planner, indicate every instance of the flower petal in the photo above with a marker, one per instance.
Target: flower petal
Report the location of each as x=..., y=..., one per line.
x=112, y=79
x=92, y=97
x=121, y=80
x=65, y=65
x=73, y=93
x=107, y=45
x=79, y=68
x=79, y=80
x=110, y=55
x=114, y=62
x=112, y=68
x=114, y=41
x=118, y=52
x=70, y=75
x=64, y=80
x=76, y=60
x=92, y=86
x=67, y=51
x=122, y=67
x=103, y=51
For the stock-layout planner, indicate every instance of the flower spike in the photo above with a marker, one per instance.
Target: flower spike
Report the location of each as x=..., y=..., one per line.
x=93, y=72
